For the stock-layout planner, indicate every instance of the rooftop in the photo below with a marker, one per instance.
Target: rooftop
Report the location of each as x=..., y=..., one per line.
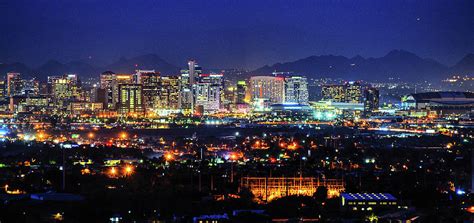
x=368, y=196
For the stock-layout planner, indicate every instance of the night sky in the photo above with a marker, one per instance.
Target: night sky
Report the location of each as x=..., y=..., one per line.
x=232, y=34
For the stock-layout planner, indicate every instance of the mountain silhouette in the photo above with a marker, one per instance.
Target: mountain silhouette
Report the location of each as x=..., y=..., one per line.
x=395, y=64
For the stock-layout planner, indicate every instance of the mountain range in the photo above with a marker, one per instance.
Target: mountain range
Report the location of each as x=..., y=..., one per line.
x=84, y=69
x=396, y=64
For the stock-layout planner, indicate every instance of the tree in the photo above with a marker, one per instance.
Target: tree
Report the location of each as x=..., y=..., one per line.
x=321, y=194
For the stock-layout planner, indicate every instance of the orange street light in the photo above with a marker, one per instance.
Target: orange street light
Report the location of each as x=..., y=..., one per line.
x=128, y=170
x=113, y=171
x=233, y=156
x=123, y=135
x=169, y=157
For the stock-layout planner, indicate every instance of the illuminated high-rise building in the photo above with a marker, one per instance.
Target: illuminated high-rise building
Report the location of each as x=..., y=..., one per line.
x=64, y=87
x=209, y=92
x=3, y=88
x=371, y=100
x=107, y=82
x=208, y=96
x=14, y=84
x=137, y=76
x=186, y=98
x=334, y=93
x=150, y=81
x=99, y=95
x=240, y=92
x=296, y=90
x=353, y=92
x=267, y=88
x=111, y=82
x=169, y=93
x=194, y=70
x=131, y=99
x=31, y=87
x=188, y=79
x=350, y=92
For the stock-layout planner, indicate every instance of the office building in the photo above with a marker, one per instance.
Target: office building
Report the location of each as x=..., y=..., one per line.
x=353, y=92
x=131, y=99
x=267, y=88
x=151, y=83
x=350, y=92
x=14, y=84
x=169, y=96
x=209, y=92
x=194, y=70
x=107, y=82
x=334, y=93
x=240, y=92
x=296, y=90
x=64, y=87
x=371, y=100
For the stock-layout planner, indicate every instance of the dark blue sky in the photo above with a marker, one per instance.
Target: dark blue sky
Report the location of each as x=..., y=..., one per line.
x=239, y=33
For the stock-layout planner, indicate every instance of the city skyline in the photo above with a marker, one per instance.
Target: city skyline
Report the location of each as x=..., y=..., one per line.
x=236, y=111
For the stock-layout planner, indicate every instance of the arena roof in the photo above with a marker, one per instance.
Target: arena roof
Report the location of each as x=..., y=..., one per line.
x=450, y=98
x=447, y=95
x=368, y=197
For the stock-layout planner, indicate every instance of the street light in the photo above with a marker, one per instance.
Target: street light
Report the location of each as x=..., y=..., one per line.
x=168, y=157
x=113, y=171
x=123, y=135
x=128, y=170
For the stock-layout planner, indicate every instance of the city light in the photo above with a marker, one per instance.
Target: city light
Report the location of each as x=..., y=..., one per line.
x=169, y=157
x=128, y=170
x=123, y=135
x=113, y=171
x=108, y=132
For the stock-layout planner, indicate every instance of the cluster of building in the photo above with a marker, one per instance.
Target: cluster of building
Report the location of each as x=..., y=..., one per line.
x=147, y=93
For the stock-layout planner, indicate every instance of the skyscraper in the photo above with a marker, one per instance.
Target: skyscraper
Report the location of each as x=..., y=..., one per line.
x=334, y=93
x=268, y=88
x=151, y=83
x=169, y=93
x=296, y=90
x=64, y=87
x=107, y=82
x=194, y=70
x=137, y=76
x=353, y=92
x=119, y=79
x=371, y=100
x=188, y=79
x=208, y=92
x=350, y=92
x=240, y=92
x=131, y=98
x=14, y=84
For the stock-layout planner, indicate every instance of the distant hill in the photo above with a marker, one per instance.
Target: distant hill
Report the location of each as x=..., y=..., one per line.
x=83, y=69
x=14, y=67
x=465, y=65
x=148, y=61
x=396, y=64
